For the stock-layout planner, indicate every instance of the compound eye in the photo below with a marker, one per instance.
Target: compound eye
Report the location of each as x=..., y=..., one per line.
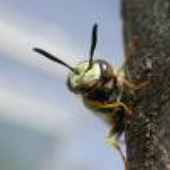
x=106, y=69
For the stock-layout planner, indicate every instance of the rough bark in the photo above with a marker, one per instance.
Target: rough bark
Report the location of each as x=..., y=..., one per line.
x=147, y=47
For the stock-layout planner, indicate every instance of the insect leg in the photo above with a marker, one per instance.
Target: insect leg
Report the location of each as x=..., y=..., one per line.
x=116, y=104
x=134, y=86
x=128, y=111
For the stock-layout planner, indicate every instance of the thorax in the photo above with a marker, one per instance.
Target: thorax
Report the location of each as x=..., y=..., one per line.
x=107, y=94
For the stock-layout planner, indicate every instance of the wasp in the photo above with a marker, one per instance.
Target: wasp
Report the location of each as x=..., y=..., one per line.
x=101, y=88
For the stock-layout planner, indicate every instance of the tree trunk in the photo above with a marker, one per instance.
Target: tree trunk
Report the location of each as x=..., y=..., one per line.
x=147, y=48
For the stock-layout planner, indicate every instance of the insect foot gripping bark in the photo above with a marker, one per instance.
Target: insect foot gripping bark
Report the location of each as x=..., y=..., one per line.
x=102, y=89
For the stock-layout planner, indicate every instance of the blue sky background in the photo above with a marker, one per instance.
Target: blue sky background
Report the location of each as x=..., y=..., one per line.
x=42, y=125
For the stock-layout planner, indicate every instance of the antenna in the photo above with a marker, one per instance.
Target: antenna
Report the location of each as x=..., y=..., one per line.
x=94, y=39
x=53, y=58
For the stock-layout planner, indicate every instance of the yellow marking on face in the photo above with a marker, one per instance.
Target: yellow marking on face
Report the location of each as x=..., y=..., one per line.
x=85, y=76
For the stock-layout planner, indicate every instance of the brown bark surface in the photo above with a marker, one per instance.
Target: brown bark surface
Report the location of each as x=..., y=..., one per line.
x=147, y=47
